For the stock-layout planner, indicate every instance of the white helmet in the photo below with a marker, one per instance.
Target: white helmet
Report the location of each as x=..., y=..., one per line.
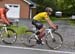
x=48, y=9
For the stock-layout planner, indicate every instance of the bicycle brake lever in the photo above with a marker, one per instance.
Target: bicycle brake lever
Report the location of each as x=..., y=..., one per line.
x=57, y=27
x=53, y=29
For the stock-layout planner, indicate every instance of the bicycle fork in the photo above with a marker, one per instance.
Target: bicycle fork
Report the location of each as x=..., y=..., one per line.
x=5, y=29
x=53, y=39
x=50, y=32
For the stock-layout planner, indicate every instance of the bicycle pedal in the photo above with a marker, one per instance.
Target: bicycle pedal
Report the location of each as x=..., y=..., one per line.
x=38, y=41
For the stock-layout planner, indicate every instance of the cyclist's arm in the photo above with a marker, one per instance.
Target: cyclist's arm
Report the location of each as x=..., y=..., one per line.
x=50, y=23
x=4, y=18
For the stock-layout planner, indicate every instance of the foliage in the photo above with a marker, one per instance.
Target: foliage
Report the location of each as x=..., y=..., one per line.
x=66, y=6
x=42, y=4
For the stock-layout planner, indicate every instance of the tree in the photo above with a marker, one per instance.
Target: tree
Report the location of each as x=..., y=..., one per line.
x=66, y=6
x=42, y=4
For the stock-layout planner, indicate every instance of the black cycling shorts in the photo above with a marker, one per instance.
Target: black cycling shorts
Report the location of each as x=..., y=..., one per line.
x=37, y=24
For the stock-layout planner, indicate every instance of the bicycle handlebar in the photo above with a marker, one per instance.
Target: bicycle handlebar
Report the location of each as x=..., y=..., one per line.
x=53, y=29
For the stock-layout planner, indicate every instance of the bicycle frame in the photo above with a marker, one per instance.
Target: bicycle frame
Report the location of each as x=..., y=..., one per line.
x=49, y=31
x=4, y=28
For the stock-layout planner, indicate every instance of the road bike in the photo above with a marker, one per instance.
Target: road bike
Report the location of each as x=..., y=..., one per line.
x=7, y=34
x=52, y=38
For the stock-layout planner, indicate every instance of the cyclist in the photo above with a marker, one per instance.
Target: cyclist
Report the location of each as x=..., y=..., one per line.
x=36, y=21
x=3, y=17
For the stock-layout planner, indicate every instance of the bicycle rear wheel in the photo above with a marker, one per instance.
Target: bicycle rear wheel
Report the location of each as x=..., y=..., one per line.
x=56, y=42
x=29, y=39
x=9, y=37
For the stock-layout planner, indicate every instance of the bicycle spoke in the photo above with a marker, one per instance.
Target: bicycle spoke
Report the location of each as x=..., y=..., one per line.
x=9, y=37
x=54, y=43
x=29, y=39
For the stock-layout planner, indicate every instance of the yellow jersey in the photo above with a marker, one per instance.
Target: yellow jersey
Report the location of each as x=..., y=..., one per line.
x=41, y=16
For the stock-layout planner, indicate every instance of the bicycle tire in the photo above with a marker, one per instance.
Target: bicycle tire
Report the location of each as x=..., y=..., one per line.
x=52, y=45
x=29, y=39
x=10, y=37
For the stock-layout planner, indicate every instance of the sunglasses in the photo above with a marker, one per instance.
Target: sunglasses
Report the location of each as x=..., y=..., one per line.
x=51, y=11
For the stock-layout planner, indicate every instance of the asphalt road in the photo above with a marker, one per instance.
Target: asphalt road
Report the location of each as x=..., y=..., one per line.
x=65, y=29
x=24, y=50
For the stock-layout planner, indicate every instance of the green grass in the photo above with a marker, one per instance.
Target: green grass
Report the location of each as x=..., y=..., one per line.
x=69, y=20
x=20, y=30
x=52, y=18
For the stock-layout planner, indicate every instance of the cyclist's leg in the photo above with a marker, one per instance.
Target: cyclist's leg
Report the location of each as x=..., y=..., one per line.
x=41, y=29
x=1, y=22
x=42, y=33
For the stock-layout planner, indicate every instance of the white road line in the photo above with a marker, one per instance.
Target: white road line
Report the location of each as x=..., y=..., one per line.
x=16, y=47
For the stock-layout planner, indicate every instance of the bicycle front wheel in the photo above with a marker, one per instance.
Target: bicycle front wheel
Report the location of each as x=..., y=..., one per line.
x=29, y=39
x=56, y=42
x=9, y=37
